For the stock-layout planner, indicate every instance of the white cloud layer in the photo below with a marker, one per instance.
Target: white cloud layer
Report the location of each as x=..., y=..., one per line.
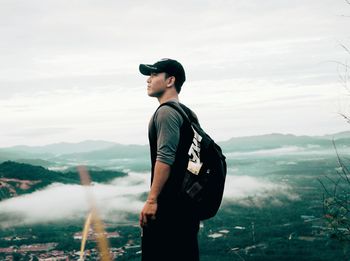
x=63, y=202
x=68, y=202
x=256, y=192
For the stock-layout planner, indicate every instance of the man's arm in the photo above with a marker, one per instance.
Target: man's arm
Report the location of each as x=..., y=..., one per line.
x=161, y=175
x=167, y=123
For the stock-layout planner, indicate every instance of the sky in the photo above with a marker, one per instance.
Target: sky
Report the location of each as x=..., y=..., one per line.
x=114, y=205
x=69, y=69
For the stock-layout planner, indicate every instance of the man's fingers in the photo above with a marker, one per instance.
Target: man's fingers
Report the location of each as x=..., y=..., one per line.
x=144, y=220
x=148, y=213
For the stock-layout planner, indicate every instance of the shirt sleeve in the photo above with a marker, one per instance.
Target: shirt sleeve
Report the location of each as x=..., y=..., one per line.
x=168, y=123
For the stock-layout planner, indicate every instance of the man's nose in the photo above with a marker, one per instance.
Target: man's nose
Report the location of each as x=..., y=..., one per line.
x=149, y=79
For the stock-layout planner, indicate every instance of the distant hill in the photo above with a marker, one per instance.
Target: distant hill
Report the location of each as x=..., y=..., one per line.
x=36, y=162
x=63, y=147
x=140, y=153
x=9, y=154
x=273, y=141
x=94, y=152
x=336, y=136
x=19, y=178
x=115, y=152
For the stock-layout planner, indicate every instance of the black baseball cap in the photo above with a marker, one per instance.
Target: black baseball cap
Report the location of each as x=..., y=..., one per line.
x=169, y=66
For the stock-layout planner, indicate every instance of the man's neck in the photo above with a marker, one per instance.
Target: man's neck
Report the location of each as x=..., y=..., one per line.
x=167, y=98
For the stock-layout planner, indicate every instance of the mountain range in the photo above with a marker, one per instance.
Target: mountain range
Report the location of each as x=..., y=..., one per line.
x=90, y=151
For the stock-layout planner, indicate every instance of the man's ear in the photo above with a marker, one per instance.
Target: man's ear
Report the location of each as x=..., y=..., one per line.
x=171, y=81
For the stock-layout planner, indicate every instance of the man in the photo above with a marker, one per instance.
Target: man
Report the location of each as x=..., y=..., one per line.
x=169, y=226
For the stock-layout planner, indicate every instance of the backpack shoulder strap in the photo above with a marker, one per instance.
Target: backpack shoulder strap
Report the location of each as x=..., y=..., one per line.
x=179, y=109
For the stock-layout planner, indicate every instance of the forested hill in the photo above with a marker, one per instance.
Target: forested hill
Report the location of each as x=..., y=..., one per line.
x=275, y=141
x=19, y=178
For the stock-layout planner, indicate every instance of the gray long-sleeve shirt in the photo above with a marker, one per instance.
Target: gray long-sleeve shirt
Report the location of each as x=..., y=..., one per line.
x=168, y=123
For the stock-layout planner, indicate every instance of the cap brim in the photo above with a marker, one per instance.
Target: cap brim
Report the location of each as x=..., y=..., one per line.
x=147, y=69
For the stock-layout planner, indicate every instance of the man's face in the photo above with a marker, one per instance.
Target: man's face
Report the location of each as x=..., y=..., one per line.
x=156, y=84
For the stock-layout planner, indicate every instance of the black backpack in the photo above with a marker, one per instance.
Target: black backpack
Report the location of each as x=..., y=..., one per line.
x=204, y=180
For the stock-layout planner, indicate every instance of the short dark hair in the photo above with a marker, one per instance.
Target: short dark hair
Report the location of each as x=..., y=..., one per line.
x=178, y=84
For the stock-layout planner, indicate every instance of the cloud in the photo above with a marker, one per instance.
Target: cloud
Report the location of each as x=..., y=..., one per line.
x=246, y=63
x=68, y=202
x=122, y=196
x=256, y=192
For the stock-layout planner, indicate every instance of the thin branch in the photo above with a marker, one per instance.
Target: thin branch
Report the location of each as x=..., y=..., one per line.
x=339, y=63
x=335, y=188
x=340, y=162
x=344, y=47
x=345, y=117
x=324, y=187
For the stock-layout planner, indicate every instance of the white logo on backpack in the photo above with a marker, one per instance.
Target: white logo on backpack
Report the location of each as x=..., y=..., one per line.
x=195, y=164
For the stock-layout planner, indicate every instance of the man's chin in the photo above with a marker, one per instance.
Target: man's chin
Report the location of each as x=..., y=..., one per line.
x=152, y=94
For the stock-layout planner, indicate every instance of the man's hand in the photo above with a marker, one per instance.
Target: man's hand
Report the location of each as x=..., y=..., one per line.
x=148, y=212
x=161, y=175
